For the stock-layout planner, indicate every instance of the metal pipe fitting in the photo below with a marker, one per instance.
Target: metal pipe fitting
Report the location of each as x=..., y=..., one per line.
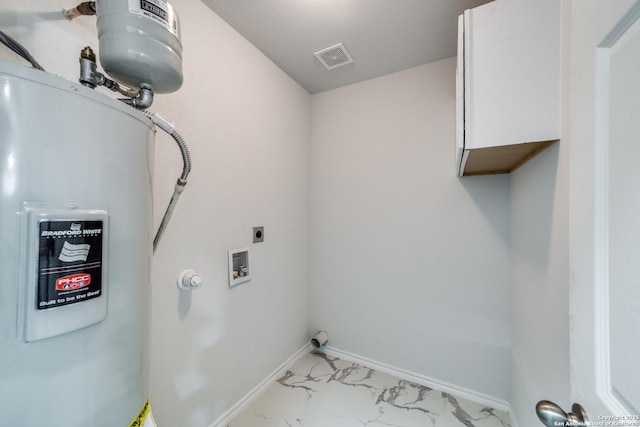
x=88, y=68
x=144, y=98
x=85, y=8
x=91, y=77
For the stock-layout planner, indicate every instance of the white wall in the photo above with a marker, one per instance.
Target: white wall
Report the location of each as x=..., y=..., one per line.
x=540, y=272
x=410, y=264
x=540, y=283
x=247, y=125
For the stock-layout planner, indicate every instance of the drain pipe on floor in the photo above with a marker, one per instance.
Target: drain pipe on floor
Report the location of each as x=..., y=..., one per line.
x=319, y=341
x=182, y=181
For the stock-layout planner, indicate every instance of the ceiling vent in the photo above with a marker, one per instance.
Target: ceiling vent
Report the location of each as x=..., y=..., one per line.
x=334, y=56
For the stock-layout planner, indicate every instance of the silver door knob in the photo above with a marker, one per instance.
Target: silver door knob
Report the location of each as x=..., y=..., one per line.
x=552, y=415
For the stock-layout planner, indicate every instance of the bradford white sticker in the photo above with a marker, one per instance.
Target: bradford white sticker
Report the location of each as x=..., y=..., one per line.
x=158, y=11
x=69, y=263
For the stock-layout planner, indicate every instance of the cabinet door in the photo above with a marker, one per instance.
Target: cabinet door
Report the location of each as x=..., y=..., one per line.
x=514, y=72
x=511, y=75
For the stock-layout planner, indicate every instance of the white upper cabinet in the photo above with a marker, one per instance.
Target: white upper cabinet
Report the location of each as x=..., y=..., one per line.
x=508, y=84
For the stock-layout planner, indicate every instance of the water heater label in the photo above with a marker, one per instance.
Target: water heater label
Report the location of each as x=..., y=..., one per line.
x=69, y=262
x=159, y=11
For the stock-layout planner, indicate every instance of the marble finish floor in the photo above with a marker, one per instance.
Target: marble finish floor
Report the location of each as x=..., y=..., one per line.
x=323, y=391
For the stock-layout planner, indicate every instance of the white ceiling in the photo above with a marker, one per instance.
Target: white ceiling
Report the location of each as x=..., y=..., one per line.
x=382, y=36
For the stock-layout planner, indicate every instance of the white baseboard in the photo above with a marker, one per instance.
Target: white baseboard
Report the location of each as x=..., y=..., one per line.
x=240, y=405
x=423, y=380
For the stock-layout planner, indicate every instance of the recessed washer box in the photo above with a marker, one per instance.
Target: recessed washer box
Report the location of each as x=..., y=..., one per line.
x=239, y=266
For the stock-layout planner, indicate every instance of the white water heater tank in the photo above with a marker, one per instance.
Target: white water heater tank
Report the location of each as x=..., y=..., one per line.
x=140, y=43
x=75, y=253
